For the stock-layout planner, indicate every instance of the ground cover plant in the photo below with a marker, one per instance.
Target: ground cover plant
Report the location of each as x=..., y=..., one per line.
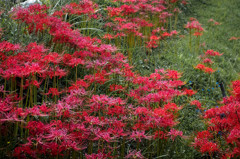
x=116, y=79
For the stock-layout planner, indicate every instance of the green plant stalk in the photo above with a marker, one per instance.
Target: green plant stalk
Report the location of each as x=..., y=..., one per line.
x=138, y=144
x=34, y=91
x=57, y=88
x=198, y=44
x=90, y=147
x=44, y=89
x=54, y=82
x=5, y=87
x=190, y=40
x=74, y=155
x=27, y=131
x=76, y=76
x=84, y=24
x=129, y=41
x=114, y=148
x=170, y=23
x=12, y=85
x=176, y=20
x=21, y=93
x=31, y=96
x=166, y=24
x=16, y=130
x=149, y=149
x=95, y=84
x=21, y=104
x=123, y=147
x=26, y=103
x=47, y=89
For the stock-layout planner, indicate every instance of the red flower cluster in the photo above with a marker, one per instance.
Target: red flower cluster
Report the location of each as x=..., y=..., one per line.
x=206, y=59
x=131, y=19
x=195, y=26
x=53, y=118
x=223, y=132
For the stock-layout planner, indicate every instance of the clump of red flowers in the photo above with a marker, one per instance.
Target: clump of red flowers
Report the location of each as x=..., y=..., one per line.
x=195, y=26
x=66, y=100
x=223, y=133
x=207, y=62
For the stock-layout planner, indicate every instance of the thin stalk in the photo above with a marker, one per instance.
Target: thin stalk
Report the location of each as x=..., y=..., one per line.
x=47, y=89
x=176, y=20
x=76, y=74
x=74, y=155
x=44, y=89
x=34, y=91
x=21, y=104
x=5, y=87
x=138, y=145
x=21, y=93
x=12, y=86
x=90, y=147
x=190, y=40
x=26, y=103
x=31, y=96
x=170, y=24
x=123, y=147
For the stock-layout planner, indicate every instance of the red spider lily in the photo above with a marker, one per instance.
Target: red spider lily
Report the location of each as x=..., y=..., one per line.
x=209, y=70
x=172, y=74
x=189, y=92
x=194, y=24
x=214, y=22
x=204, y=68
x=54, y=92
x=174, y=133
x=173, y=1
x=114, y=11
x=36, y=83
x=108, y=36
x=176, y=10
x=166, y=34
x=184, y=2
x=197, y=103
x=174, y=32
x=138, y=135
x=52, y=57
x=200, y=67
x=160, y=135
x=172, y=107
x=197, y=34
x=207, y=60
x=212, y=53
x=192, y=19
x=151, y=44
x=7, y=47
x=115, y=87
x=98, y=155
x=86, y=7
x=217, y=23
x=135, y=154
x=234, y=38
x=128, y=9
